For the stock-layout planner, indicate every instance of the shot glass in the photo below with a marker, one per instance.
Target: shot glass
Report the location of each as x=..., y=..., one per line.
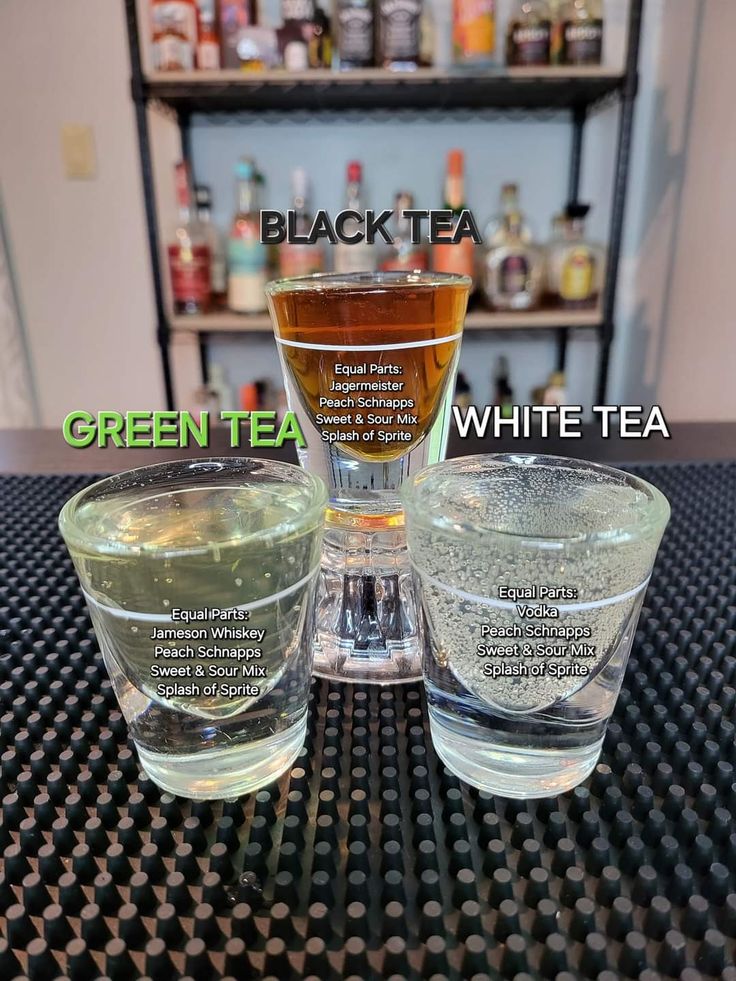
x=531, y=572
x=369, y=366
x=199, y=578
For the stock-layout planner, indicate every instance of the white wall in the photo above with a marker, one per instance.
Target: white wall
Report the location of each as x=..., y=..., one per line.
x=78, y=247
x=697, y=363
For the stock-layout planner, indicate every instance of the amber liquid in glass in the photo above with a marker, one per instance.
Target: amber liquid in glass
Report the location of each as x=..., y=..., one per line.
x=369, y=364
x=393, y=346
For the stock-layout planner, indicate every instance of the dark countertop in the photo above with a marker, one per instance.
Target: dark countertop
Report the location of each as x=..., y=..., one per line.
x=44, y=450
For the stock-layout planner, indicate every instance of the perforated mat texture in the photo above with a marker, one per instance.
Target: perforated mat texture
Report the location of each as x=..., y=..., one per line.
x=369, y=859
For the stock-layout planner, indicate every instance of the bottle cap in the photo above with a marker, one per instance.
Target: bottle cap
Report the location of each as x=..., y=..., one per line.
x=575, y=210
x=455, y=163
x=203, y=196
x=355, y=172
x=403, y=201
x=245, y=169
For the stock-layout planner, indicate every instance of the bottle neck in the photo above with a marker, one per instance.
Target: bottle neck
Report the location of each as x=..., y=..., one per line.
x=354, y=196
x=247, y=197
x=454, y=193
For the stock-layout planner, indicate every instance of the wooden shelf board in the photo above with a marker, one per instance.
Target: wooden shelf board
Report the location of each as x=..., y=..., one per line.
x=545, y=319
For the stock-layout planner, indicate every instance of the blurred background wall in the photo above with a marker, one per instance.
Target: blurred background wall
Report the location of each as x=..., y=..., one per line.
x=85, y=334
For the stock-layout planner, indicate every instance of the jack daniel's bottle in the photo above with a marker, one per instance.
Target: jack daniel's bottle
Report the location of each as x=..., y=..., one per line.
x=399, y=33
x=355, y=33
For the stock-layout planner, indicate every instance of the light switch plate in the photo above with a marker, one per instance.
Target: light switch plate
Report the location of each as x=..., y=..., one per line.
x=78, y=152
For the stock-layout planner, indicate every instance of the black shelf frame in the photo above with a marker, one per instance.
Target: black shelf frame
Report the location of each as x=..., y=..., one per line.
x=576, y=93
x=379, y=89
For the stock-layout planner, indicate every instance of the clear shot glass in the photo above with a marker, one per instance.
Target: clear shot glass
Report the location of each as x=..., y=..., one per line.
x=369, y=366
x=531, y=571
x=199, y=578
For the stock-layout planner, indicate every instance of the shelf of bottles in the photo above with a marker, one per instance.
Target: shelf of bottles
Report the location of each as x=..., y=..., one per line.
x=502, y=88
x=478, y=319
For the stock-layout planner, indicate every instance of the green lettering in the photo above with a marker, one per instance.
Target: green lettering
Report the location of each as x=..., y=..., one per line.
x=79, y=428
x=262, y=422
x=138, y=428
x=291, y=430
x=234, y=418
x=109, y=426
x=166, y=428
x=200, y=432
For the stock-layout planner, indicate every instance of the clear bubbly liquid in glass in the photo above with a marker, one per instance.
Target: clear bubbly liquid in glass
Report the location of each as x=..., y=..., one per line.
x=521, y=684
x=216, y=702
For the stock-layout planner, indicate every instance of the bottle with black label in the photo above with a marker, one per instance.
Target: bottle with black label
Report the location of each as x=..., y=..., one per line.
x=581, y=32
x=399, y=34
x=529, y=33
x=355, y=33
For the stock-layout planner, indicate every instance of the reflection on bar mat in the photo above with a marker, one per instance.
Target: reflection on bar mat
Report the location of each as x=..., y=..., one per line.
x=369, y=859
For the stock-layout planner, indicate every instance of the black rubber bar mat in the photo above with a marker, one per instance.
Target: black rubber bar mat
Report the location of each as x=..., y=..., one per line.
x=370, y=860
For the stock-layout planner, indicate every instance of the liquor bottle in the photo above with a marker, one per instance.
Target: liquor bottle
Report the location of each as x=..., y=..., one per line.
x=403, y=255
x=208, y=43
x=446, y=256
x=529, y=32
x=188, y=253
x=582, y=32
x=174, y=29
x=246, y=254
x=218, y=262
x=354, y=33
x=555, y=37
x=236, y=16
x=473, y=32
x=297, y=259
x=360, y=256
x=427, y=29
x=513, y=271
x=553, y=255
x=219, y=383
x=503, y=393
x=555, y=391
x=463, y=393
x=495, y=230
x=320, y=42
x=580, y=263
x=399, y=34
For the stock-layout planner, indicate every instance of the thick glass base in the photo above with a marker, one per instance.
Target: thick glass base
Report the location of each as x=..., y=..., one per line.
x=519, y=772
x=366, y=616
x=225, y=773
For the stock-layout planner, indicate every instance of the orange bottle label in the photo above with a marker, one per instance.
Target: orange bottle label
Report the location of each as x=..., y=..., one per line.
x=474, y=28
x=456, y=258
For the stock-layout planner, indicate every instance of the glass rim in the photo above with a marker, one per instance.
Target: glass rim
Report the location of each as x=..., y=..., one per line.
x=351, y=282
x=75, y=536
x=656, y=510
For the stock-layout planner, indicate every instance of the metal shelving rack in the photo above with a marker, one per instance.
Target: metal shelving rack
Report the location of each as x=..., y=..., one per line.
x=576, y=91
